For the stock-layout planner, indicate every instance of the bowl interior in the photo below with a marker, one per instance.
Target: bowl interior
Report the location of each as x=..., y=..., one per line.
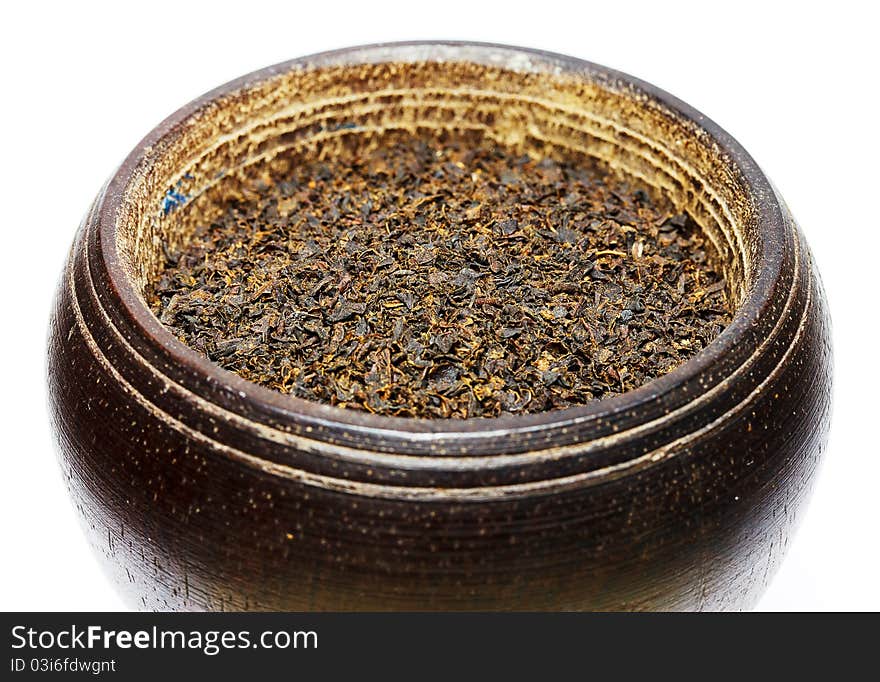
x=256, y=128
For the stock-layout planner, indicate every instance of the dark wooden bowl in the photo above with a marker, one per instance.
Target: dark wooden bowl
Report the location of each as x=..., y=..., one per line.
x=200, y=490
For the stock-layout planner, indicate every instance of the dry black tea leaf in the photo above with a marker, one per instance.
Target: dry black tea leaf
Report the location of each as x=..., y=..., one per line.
x=445, y=277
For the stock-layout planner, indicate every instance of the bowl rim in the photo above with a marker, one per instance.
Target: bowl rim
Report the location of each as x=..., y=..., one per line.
x=767, y=269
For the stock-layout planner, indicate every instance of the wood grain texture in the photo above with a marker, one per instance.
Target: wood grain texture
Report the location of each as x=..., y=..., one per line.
x=201, y=491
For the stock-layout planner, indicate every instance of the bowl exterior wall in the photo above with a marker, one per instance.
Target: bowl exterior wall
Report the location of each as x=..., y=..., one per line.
x=187, y=513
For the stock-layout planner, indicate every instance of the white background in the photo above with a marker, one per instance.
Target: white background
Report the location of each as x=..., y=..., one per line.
x=796, y=84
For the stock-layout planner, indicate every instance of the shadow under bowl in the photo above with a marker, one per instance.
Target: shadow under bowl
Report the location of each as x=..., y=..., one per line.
x=200, y=490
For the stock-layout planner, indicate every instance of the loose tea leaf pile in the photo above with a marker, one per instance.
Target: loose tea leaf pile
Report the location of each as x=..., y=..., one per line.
x=445, y=278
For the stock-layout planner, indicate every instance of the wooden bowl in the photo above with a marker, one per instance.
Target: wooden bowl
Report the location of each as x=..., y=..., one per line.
x=200, y=490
